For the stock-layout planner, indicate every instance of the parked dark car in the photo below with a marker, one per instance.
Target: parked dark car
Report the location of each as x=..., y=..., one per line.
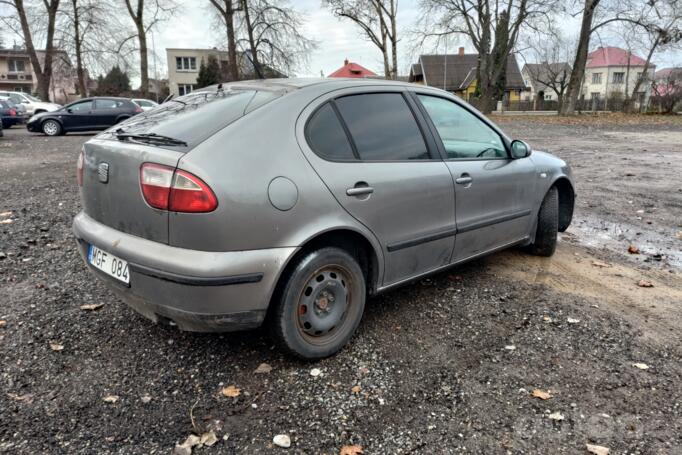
x=88, y=114
x=8, y=112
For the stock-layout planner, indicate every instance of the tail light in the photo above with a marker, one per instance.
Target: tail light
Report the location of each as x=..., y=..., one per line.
x=166, y=188
x=79, y=169
x=12, y=113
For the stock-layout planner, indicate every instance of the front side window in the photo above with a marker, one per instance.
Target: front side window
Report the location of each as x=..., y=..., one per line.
x=326, y=135
x=382, y=127
x=463, y=134
x=85, y=106
x=618, y=78
x=185, y=63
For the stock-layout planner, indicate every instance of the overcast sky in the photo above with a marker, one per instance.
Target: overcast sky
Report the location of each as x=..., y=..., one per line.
x=337, y=40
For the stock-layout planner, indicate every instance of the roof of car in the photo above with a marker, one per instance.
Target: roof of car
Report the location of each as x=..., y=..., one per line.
x=289, y=84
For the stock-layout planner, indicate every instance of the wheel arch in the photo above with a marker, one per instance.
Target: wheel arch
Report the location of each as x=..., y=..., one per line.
x=566, y=202
x=42, y=122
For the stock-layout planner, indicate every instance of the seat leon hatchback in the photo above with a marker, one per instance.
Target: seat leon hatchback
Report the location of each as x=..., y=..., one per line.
x=289, y=201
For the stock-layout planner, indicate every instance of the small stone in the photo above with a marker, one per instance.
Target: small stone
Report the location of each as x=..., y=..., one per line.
x=556, y=416
x=3, y=255
x=282, y=440
x=146, y=399
x=510, y=347
x=315, y=372
x=573, y=320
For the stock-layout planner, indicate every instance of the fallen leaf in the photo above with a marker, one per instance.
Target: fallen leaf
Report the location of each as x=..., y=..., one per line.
x=208, y=439
x=110, y=399
x=315, y=372
x=597, y=450
x=27, y=397
x=7, y=221
x=186, y=447
x=263, y=368
x=4, y=214
x=645, y=284
x=56, y=347
x=355, y=449
x=92, y=306
x=641, y=366
x=537, y=393
x=356, y=389
x=556, y=416
x=600, y=264
x=3, y=323
x=231, y=391
x=282, y=440
x=547, y=319
x=679, y=235
x=632, y=249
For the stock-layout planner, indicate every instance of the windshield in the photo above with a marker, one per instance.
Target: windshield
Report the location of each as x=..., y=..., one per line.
x=195, y=117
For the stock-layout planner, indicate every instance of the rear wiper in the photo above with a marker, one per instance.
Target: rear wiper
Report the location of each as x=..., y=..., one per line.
x=151, y=138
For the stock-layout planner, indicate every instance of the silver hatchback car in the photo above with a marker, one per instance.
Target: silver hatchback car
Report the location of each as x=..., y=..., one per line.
x=290, y=201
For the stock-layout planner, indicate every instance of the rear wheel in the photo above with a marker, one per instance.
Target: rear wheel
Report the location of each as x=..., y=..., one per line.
x=52, y=128
x=548, y=225
x=321, y=304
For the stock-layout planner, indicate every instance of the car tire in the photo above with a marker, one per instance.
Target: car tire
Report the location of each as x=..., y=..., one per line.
x=320, y=305
x=51, y=127
x=548, y=225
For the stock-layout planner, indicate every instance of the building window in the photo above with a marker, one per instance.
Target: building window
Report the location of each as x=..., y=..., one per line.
x=16, y=66
x=618, y=78
x=548, y=97
x=184, y=89
x=185, y=63
x=596, y=78
x=594, y=95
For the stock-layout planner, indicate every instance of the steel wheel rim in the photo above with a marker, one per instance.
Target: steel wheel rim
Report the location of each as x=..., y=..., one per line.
x=50, y=127
x=324, y=304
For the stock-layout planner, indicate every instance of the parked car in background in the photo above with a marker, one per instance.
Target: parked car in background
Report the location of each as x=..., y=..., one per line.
x=90, y=114
x=33, y=104
x=145, y=104
x=8, y=113
x=1, y=132
x=297, y=198
x=20, y=116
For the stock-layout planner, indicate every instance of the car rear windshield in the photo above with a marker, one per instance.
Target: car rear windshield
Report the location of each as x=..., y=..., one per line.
x=195, y=117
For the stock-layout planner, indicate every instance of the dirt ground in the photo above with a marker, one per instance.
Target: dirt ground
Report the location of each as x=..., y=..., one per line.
x=445, y=365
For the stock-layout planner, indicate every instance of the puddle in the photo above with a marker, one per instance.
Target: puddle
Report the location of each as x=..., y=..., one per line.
x=655, y=248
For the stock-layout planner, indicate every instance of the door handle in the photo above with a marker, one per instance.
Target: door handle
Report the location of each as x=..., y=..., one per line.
x=360, y=189
x=464, y=179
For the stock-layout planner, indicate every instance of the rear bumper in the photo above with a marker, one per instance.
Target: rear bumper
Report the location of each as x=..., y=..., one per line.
x=199, y=291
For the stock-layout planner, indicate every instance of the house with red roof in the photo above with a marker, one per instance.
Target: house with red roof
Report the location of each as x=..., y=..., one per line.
x=612, y=72
x=350, y=69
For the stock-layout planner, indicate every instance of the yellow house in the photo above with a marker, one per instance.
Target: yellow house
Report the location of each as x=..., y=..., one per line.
x=456, y=73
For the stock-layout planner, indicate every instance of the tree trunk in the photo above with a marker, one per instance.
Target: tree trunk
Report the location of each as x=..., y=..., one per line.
x=640, y=79
x=46, y=77
x=580, y=61
x=252, y=43
x=231, y=42
x=80, y=72
x=144, y=60
x=394, y=41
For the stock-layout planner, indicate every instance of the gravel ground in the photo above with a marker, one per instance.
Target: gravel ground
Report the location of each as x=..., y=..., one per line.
x=446, y=365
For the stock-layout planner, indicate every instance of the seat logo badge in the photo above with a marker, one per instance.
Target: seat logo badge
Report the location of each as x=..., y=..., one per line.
x=103, y=172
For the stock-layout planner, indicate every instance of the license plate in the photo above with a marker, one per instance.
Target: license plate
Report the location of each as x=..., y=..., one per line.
x=109, y=264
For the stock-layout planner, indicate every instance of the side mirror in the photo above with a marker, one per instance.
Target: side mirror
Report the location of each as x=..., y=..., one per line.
x=25, y=102
x=520, y=149
x=69, y=110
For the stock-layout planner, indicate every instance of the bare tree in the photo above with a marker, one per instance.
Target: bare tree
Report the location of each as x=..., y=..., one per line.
x=605, y=12
x=493, y=29
x=146, y=14
x=226, y=10
x=271, y=31
x=552, y=50
x=667, y=89
x=26, y=14
x=378, y=21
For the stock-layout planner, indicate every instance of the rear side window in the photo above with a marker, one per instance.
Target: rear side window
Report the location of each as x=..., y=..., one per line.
x=108, y=104
x=383, y=127
x=195, y=117
x=326, y=135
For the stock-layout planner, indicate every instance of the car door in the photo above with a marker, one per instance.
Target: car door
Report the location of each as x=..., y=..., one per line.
x=78, y=116
x=494, y=193
x=106, y=111
x=370, y=150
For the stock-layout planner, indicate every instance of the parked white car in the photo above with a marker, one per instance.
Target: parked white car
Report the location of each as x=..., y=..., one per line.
x=33, y=105
x=145, y=104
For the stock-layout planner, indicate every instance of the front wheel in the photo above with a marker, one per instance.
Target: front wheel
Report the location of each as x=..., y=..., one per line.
x=548, y=225
x=321, y=304
x=52, y=128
